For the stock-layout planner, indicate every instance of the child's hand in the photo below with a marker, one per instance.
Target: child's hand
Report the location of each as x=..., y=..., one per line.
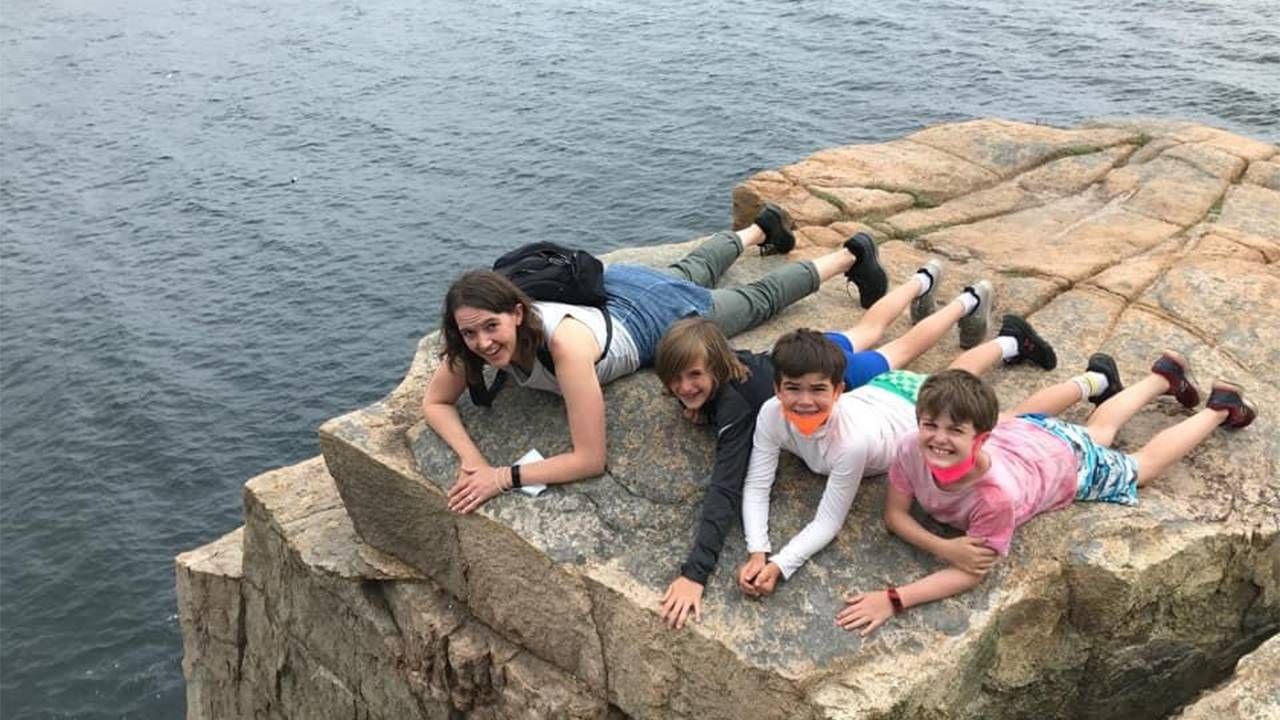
x=748, y=572
x=767, y=579
x=970, y=554
x=865, y=612
x=683, y=596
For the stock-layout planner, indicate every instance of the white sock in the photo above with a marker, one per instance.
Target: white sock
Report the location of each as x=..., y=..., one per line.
x=1008, y=346
x=970, y=302
x=925, y=280
x=1091, y=384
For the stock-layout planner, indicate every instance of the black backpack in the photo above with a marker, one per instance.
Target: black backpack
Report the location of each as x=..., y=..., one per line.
x=551, y=273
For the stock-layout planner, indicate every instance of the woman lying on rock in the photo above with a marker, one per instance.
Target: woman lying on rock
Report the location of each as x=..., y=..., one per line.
x=726, y=389
x=488, y=320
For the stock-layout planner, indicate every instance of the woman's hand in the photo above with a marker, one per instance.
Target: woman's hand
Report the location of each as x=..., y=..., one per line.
x=477, y=485
x=683, y=597
x=865, y=612
x=969, y=554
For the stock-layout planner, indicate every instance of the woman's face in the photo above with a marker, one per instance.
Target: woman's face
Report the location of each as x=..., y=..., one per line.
x=491, y=335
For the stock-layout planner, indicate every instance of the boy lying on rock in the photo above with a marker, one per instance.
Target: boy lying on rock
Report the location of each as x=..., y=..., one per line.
x=724, y=389
x=843, y=435
x=986, y=473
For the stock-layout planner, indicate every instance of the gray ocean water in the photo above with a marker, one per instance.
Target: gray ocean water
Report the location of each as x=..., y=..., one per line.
x=225, y=222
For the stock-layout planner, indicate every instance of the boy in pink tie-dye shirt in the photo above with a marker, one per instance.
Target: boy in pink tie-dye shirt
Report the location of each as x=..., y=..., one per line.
x=988, y=474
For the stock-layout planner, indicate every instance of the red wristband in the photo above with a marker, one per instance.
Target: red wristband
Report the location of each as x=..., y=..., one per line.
x=895, y=600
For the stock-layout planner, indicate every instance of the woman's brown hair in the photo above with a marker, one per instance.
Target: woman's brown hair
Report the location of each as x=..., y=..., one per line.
x=692, y=339
x=487, y=290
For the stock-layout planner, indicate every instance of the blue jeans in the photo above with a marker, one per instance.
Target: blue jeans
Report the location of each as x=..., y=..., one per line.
x=647, y=301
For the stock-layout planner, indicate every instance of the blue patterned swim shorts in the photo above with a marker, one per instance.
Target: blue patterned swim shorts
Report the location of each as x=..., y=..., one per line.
x=1104, y=475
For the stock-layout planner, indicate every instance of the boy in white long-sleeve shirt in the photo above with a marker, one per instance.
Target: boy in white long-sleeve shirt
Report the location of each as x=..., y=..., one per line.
x=841, y=435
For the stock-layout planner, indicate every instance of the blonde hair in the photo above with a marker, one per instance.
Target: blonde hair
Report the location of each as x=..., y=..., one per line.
x=692, y=339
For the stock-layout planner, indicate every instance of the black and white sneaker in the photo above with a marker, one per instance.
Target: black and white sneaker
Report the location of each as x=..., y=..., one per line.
x=776, y=223
x=1105, y=365
x=924, y=305
x=1031, y=346
x=974, y=326
x=866, y=272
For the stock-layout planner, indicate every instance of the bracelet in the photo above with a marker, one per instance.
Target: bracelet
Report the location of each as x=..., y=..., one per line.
x=895, y=600
x=515, y=476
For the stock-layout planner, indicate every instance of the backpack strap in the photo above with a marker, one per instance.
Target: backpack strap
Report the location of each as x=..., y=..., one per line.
x=482, y=396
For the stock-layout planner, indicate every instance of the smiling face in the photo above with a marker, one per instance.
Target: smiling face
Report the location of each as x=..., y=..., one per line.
x=490, y=335
x=808, y=395
x=693, y=386
x=943, y=441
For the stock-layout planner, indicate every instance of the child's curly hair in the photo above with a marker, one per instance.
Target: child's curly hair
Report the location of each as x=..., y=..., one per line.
x=963, y=396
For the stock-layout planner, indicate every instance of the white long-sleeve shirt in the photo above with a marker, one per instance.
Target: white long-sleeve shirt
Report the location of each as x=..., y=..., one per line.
x=859, y=438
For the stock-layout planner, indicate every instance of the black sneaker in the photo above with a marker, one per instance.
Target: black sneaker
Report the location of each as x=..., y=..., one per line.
x=1177, y=371
x=866, y=272
x=1105, y=365
x=776, y=223
x=1229, y=396
x=1030, y=345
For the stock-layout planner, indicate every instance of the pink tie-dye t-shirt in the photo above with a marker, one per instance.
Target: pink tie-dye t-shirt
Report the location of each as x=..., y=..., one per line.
x=1031, y=472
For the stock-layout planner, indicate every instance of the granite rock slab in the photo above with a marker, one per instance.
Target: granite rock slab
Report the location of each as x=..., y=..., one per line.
x=1123, y=235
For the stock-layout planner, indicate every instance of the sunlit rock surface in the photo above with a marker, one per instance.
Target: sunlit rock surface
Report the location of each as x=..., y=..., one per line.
x=1124, y=236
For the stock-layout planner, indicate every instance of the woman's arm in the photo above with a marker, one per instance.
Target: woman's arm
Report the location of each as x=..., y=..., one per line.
x=439, y=408
x=575, y=350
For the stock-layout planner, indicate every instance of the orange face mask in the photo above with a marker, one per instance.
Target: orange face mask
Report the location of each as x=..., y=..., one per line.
x=807, y=424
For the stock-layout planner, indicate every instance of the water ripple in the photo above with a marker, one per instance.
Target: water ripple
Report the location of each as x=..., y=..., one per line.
x=226, y=223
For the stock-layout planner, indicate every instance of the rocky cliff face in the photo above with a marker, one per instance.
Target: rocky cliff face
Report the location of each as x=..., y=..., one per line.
x=352, y=591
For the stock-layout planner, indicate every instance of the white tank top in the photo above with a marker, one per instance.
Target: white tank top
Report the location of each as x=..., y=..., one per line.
x=623, y=357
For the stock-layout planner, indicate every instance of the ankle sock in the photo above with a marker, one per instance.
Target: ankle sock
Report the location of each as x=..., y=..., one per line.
x=969, y=299
x=923, y=277
x=1008, y=347
x=1091, y=384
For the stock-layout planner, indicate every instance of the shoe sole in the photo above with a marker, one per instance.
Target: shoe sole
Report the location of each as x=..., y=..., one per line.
x=870, y=259
x=1105, y=365
x=784, y=219
x=1187, y=374
x=1238, y=389
x=973, y=328
x=924, y=306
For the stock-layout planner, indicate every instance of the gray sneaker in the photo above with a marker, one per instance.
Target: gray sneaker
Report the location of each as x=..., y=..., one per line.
x=973, y=327
x=923, y=306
